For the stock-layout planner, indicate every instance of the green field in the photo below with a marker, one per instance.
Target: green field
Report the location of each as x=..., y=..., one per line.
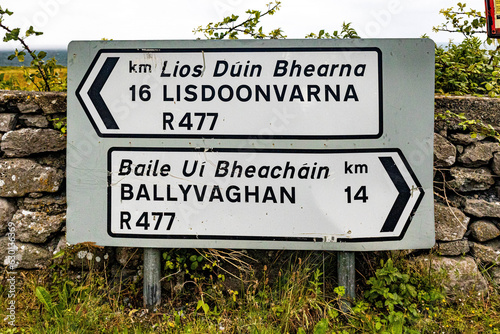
x=14, y=78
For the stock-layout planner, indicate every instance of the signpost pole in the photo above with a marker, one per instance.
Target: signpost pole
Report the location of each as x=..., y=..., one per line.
x=152, y=287
x=346, y=277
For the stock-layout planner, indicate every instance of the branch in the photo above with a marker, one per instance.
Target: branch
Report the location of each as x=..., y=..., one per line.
x=27, y=48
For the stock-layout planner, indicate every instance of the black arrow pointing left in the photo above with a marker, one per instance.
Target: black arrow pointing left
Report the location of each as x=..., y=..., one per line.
x=95, y=93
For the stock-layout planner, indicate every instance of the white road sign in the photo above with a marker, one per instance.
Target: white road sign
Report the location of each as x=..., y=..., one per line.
x=320, y=93
x=285, y=144
x=323, y=196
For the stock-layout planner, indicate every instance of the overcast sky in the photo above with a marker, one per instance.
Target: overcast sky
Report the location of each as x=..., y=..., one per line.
x=65, y=20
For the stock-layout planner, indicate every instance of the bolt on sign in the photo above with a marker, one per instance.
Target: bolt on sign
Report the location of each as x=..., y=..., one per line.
x=290, y=144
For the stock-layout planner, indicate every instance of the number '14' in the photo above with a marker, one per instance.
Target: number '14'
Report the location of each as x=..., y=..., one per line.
x=360, y=195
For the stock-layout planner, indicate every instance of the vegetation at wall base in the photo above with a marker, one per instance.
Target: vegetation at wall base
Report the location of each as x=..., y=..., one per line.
x=298, y=296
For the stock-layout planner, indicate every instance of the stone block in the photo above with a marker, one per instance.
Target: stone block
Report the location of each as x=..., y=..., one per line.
x=24, y=142
x=19, y=177
x=451, y=223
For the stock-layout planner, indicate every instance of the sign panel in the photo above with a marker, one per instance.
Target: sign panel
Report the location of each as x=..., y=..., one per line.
x=493, y=18
x=234, y=93
x=287, y=144
x=322, y=195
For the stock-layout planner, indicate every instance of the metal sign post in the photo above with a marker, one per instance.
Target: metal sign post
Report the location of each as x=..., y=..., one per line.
x=346, y=273
x=288, y=144
x=152, y=276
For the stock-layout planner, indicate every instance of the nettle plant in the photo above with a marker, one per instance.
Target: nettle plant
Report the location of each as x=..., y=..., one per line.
x=45, y=78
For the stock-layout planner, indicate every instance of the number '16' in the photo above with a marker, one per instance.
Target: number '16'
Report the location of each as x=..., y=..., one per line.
x=144, y=93
x=360, y=195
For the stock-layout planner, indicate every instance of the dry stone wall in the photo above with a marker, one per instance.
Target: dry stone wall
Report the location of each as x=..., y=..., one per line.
x=33, y=203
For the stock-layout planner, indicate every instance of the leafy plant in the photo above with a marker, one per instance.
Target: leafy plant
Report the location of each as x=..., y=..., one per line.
x=467, y=22
x=467, y=67
x=60, y=124
x=474, y=127
x=230, y=27
x=346, y=32
x=45, y=78
x=398, y=298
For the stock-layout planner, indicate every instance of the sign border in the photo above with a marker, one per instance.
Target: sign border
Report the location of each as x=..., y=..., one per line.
x=259, y=238
x=242, y=49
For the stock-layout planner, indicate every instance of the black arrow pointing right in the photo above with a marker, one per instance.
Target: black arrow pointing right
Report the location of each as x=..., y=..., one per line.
x=95, y=93
x=404, y=194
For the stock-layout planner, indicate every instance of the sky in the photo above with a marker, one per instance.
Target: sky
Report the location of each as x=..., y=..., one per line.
x=62, y=21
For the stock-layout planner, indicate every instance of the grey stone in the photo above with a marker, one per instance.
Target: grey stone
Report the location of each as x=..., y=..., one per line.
x=50, y=204
x=57, y=244
x=451, y=223
x=495, y=275
x=29, y=102
x=471, y=179
x=36, y=227
x=481, y=208
x=19, y=177
x=488, y=252
x=465, y=138
x=444, y=152
x=484, y=230
x=128, y=257
x=460, y=274
x=495, y=164
x=15, y=254
x=478, y=154
x=24, y=142
x=7, y=210
x=56, y=160
x=480, y=108
x=47, y=102
x=34, y=121
x=28, y=107
x=452, y=248
x=7, y=122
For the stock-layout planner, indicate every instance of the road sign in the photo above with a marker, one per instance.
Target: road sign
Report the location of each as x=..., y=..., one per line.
x=322, y=195
x=235, y=92
x=194, y=143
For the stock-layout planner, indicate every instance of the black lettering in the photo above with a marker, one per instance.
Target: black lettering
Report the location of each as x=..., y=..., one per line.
x=229, y=89
x=185, y=191
x=351, y=93
x=204, y=96
x=216, y=194
x=222, y=168
x=126, y=192
x=190, y=90
x=248, y=193
x=296, y=93
x=359, y=70
x=168, y=117
x=223, y=71
x=125, y=168
x=281, y=68
x=269, y=195
x=284, y=193
x=131, y=67
x=125, y=217
x=142, y=193
x=233, y=197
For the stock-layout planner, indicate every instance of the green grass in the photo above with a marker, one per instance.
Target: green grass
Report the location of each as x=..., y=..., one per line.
x=295, y=294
